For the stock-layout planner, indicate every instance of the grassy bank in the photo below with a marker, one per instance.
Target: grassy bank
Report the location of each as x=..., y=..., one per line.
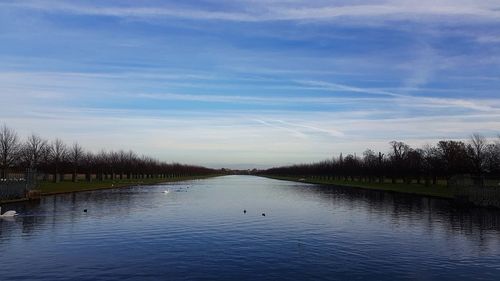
x=413, y=188
x=49, y=188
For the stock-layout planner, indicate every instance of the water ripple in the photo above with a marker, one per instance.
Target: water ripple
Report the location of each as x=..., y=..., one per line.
x=309, y=232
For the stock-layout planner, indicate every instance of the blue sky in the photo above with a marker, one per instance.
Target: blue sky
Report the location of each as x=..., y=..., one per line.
x=250, y=83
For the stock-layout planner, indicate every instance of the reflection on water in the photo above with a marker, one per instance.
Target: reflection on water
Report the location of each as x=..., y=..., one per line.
x=199, y=231
x=405, y=207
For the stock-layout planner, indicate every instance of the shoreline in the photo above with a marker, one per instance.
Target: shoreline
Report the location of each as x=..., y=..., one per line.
x=414, y=189
x=104, y=185
x=486, y=197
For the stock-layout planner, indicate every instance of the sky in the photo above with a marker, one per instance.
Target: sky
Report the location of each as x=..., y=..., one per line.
x=250, y=83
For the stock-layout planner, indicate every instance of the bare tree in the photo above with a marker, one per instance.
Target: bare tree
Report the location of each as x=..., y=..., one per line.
x=100, y=164
x=58, y=154
x=9, y=149
x=33, y=150
x=89, y=162
x=114, y=163
x=398, y=155
x=131, y=161
x=453, y=159
x=57, y=159
x=492, y=163
x=122, y=162
x=431, y=163
x=370, y=161
x=477, y=152
x=445, y=160
x=399, y=149
x=75, y=156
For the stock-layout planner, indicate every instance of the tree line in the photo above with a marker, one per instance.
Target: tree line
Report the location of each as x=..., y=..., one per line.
x=477, y=157
x=57, y=159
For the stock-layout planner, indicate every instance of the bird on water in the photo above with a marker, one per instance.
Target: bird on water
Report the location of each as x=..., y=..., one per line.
x=7, y=214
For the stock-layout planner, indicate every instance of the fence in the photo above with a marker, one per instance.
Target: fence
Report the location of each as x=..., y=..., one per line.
x=18, y=186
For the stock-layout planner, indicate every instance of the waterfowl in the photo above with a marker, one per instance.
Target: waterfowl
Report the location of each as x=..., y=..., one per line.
x=10, y=213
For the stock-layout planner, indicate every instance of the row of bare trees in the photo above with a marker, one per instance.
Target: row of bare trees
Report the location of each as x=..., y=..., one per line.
x=58, y=159
x=477, y=157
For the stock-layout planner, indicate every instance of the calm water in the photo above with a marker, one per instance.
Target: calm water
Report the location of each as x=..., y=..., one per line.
x=201, y=233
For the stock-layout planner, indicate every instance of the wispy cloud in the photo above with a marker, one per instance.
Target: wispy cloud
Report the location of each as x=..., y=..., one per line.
x=294, y=132
x=250, y=81
x=331, y=132
x=253, y=99
x=346, y=88
x=489, y=38
x=238, y=137
x=300, y=10
x=27, y=86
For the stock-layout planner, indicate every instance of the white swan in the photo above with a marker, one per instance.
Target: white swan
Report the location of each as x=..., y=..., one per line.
x=7, y=214
x=166, y=191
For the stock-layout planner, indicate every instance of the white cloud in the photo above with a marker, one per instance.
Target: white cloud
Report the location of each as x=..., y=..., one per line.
x=346, y=88
x=327, y=112
x=331, y=132
x=232, y=137
x=42, y=87
x=268, y=100
x=488, y=38
x=304, y=10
